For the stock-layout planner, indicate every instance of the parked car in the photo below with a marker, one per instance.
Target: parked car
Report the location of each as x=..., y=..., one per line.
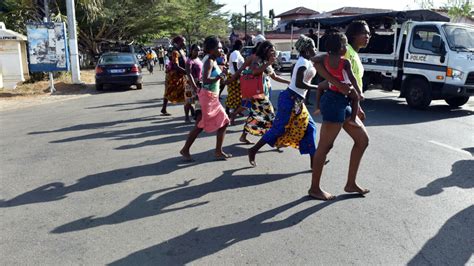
x=118, y=69
x=286, y=60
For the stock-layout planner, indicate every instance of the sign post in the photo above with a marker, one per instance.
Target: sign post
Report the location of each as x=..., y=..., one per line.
x=46, y=19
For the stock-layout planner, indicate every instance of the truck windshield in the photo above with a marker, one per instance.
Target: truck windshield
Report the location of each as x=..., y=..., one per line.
x=460, y=38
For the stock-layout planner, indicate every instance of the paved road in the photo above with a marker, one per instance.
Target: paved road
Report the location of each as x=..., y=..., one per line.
x=98, y=180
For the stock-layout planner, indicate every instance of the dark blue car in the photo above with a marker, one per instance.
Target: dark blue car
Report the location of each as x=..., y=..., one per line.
x=118, y=69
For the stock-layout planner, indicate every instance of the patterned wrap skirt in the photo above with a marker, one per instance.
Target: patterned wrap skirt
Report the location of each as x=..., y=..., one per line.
x=234, y=98
x=293, y=125
x=260, y=118
x=175, y=83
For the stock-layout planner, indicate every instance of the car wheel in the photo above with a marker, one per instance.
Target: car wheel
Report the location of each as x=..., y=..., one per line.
x=457, y=101
x=139, y=86
x=418, y=94
x=99, y=87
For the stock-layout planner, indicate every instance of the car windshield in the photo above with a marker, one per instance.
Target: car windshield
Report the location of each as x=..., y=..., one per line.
x=460, y=38
x=285, y=54
x=117, y=59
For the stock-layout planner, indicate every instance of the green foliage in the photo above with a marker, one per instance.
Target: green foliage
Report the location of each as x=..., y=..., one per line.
x=237, y=21
x=124, y=20
x=459, y=8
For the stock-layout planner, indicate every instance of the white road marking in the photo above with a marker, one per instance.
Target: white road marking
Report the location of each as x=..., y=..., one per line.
x=450, y=147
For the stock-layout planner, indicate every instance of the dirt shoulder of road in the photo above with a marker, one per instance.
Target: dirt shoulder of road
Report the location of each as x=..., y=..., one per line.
x=30, y=94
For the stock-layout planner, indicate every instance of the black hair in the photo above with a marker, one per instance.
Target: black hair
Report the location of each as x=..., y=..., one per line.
x=194, y=46
x=334, y=42
x=210, y=43
x=255, y=49
x=237, y=45
x=178, y=39
x=263, y=49
x=311, y=31
x=355, y=28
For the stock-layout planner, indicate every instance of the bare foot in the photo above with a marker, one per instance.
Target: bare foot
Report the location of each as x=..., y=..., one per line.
x=222, y=156
x=186, y=156
x=321, y=195
x=353, y=123
x=245, y=140
x=252, y=154
x=355, y=189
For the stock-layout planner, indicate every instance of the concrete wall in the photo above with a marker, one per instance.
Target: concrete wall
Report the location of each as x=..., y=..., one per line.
x=12, y=63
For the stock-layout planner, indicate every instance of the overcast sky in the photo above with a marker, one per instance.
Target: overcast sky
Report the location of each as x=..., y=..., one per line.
x=280, y=6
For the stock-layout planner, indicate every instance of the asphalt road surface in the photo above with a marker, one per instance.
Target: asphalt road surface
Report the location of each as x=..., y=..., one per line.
x=99, y=180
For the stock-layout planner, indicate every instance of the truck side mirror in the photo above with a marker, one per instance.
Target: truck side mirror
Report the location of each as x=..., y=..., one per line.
x=437, y=42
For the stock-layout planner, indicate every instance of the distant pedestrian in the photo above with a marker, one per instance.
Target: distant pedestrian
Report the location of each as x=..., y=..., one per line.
x=175, y=75
x=234, y=97
x=194, y=84
x=214, y=117
x=161, y=57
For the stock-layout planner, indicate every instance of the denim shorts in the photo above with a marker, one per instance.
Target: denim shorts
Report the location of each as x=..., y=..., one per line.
x=335, y=107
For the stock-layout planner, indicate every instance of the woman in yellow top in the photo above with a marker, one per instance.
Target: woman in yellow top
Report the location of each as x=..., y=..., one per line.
x=358, y=35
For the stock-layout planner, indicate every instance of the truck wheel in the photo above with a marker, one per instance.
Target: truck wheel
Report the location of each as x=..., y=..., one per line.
x=418, y=94
x=457, y=101
x=99, y=87
x=139, y=86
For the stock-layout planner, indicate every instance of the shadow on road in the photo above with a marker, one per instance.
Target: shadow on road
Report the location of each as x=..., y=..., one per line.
x=197, y=244
x=462, y=176
x=151, y=101
x=57, y=190
x=384, y=111
x=149, y=204
x=157, y=129
x=452, y=245
x=100, y=125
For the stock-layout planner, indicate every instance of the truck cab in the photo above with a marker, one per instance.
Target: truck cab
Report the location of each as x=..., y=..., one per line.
x=417, y=52
x=437, y=63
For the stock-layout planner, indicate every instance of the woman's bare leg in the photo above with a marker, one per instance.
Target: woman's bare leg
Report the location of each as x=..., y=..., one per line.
x=189, y=142
x=220, y=154
x=361, y=141
x=328, y=134
x=187, y=110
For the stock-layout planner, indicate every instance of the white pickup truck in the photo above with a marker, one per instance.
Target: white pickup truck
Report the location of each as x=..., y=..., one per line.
x=416, y=52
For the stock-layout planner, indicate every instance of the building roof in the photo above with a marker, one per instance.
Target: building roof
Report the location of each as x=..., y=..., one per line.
x=357, y=10
x=298, y=11
x=6, y=34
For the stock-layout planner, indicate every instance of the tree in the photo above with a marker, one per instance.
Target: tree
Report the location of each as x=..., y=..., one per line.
x=200, y=18
x=459, y=8
x=237, y=21
x=123, y=20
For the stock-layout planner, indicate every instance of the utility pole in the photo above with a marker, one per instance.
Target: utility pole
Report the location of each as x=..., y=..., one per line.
x=52, y=89
x=261, y=18
x=74, y=54
x=245, y=23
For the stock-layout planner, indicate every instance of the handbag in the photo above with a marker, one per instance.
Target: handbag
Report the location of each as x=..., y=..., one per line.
x=251, y=86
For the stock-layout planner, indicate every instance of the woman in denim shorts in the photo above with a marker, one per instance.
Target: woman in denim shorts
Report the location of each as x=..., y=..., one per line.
x=335, y=109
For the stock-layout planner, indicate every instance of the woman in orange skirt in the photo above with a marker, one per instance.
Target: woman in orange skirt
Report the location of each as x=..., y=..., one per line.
x=175, y=80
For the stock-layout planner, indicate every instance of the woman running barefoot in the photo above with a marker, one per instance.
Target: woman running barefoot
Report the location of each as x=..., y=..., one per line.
x=336, y=110
x=293, y=125
x=213, y=116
